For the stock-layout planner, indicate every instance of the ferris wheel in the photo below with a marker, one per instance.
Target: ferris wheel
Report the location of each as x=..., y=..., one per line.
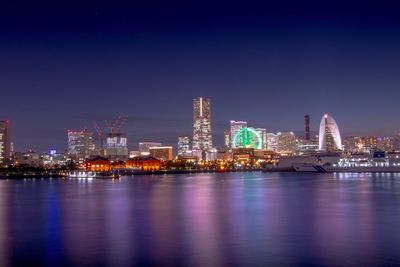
x=247, y=138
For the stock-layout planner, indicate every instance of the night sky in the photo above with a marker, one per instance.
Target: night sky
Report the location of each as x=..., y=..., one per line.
x=66, y=64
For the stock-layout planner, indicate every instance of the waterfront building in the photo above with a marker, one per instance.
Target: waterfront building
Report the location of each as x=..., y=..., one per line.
x=329, y=135
x=235, y=126
x=163, y=153
x=227, y=139
x=29, y=158
x=272, y=142
x=144, y=147
x=202, y=136
x=384, y=144
x=263, y=134
x=368, y=144
x=183, y=145
x=116, y=148
x=80, y=145
x=5, y=141
x=54, y=159
x=306, y=147
x=98, y=164
x=354, y=144
x=287, y=143
x=247, y=137
x=144, y=163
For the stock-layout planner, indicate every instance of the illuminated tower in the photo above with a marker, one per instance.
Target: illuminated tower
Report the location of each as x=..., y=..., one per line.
x=183, y=145
x=263, y=134
x=235, y=127
x=80, y=144
x=202, y=137
x=5, y=141
x=329, y=135
x=307, y=126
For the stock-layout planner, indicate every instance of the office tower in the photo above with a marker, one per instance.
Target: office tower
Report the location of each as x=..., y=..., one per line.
x=5, y=141
x=80, y=145
x=116, y=148
x=227, y=139
x=235, y=126
x=287, y=143
x=145, y=146
x=307, y=126
x=183, y=145
x=272, y=142
x=263, y=134
x=329, y=135
x=161, y=152
x=202, y=136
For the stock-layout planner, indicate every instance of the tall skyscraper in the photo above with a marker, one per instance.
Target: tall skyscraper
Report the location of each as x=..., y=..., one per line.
x=183, y=145
x=202, y=136
x=307, y=126
x=80, y=144
x=329, y=135
x=236, y=126
x=263, y=134
x=5, y=141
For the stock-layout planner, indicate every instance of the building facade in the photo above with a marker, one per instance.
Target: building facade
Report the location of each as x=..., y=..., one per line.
x=163, y=153
x=5, y=141
x=144, y=147
x=329, y=135
x=287, y=143
x=272, y=142
x=236, y=126
x=80, y=145
x=116, y=146
x=183, y=145
x=202, y=135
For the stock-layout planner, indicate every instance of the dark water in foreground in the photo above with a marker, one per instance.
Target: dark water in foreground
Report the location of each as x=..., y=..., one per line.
x=235, y=219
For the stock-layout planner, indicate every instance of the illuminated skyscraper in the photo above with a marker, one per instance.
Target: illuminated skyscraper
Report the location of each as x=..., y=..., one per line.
x=183, y=145
x=202, y=136
x=5, y=141
x=80, y=145
x=329, y=135
x=272, y=142
x=227, y=139
x=234, y=127
x=263, y=134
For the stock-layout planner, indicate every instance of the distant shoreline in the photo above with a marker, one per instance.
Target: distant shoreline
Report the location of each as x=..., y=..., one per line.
x=126, y=173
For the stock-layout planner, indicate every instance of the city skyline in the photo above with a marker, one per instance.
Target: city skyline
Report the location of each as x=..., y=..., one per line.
x=65, y=65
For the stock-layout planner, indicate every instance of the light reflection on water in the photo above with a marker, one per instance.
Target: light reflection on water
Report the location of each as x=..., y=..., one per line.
x=233, y=219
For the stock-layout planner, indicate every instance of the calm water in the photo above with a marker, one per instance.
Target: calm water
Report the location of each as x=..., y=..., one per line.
x=239, y=219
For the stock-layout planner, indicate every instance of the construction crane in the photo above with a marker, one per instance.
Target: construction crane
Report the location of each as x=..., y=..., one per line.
x=117, y=124
x=100, y=136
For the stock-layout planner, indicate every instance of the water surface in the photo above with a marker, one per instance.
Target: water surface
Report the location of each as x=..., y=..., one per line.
x=232, y=219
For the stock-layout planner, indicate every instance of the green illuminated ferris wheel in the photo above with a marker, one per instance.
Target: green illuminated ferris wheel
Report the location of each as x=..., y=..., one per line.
x=247, y=138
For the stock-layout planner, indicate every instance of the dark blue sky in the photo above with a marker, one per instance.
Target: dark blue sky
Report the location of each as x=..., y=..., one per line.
x=65, y=64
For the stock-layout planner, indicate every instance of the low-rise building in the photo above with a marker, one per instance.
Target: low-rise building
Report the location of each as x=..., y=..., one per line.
x=98, y=164
x=145, y=163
